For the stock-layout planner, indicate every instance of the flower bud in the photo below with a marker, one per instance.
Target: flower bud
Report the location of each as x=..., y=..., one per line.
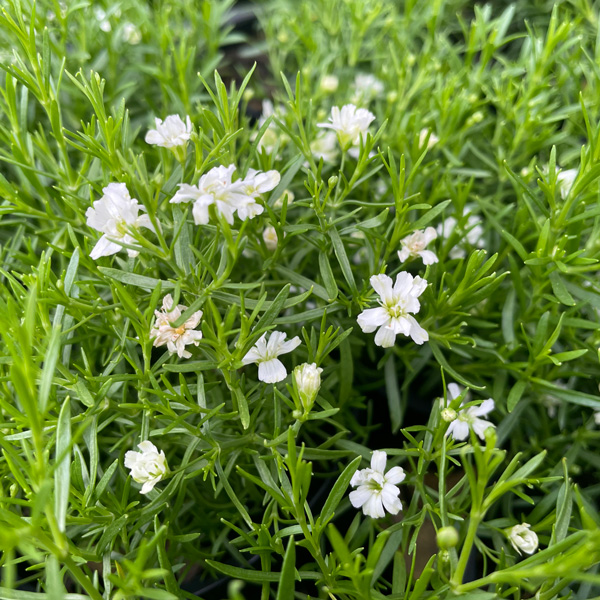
x=447, y=537
x=523, y=539
x=248, y=94
x=329, y=83
x=308, y=382
x=332, y=181
x=448, y=415
x=270, y=238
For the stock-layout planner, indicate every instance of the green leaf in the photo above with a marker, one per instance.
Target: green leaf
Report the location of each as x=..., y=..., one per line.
x=444, y=364
x=286, y=588
x=430, y=215
x=515, y=394
x=340, y=252
x=559, y=289
x=393, y=393
x=337, y=491
x=148, y=283
x=62, y=472
x=244, y=574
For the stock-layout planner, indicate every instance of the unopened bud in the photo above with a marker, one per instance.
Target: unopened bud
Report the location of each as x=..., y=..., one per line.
x=332, y=181
x=448, y=415
x=308, y=383
x=270, y=238
x=329, y=83
x=447, y=537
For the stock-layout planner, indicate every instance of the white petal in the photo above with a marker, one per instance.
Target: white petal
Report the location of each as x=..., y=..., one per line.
x=395, y=475
x=147, y=446
x=429, y=235
x=459, y=430
x=373, y=507
x=382, y=284
x=486, y=407
x=429, y=257
x=480, y=426
x=403, y=254
x=372, y=318
x=104, y=247
x=385, y=337
x=271, y=371
x=389, y=496
x=360, y=496
x=378, y=460
x=289, y=345
x=417, y=333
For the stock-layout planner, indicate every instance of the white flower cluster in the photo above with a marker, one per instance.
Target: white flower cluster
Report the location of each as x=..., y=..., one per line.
x=351, y=124
x=148, y=467
x=170, y=133
x=217, y=188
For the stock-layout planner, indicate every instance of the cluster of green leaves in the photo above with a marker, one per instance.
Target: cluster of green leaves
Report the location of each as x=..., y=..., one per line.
x=255, y=493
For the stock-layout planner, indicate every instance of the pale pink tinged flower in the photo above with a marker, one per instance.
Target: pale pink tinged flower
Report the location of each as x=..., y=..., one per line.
x=393, y=315
x=377, y=491
x=115, y=214
x=176, y=338
x=350, y=123
x=470, y=418
x=523, y=539
x=170, y=133
x=414, y=245
x=148, y=467
x=263, y=353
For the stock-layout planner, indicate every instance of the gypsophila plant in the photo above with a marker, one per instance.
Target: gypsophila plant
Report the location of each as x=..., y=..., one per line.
x=299, y=300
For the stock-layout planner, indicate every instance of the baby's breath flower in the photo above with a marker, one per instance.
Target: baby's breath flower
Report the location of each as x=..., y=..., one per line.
x=426, y=135
x=147, y=467
x=176, y=338
x=131, y=34
x=523, y=539
x=214, y=188
x=565, y=180
x=350, y=123
x=325, y=146
x=290, y=198
x=270, y=238
x=469, y=418
x=329, y=83
x=270, y=368
x=254, y=184
x=414, y=244
x=170, y=133
x=114, y=215
x=377, y=491
x=397, y=301
x=473, y=236
x=366, y=87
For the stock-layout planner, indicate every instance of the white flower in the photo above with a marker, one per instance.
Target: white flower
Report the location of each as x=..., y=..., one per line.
x=270, y=368
x=329, y=83
x=473, y=236
x=214, y=187
x=270, y=238
x=131, y=34
x=597, y=417
x=565, y=180
x=431, y=142
x=325, y=146
x=290, y=198
x=176, y=338
x=114, y=215
x=393, y=316
x=377, y=490
x=308, y=383
x=101, y=18
x=350, y=123
x=170, y=133
x=148, y=466
x=523, y=539
x=272, y=136
x=469, y=418
x=414, y=245
x=366, y=88
x=253, y=185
